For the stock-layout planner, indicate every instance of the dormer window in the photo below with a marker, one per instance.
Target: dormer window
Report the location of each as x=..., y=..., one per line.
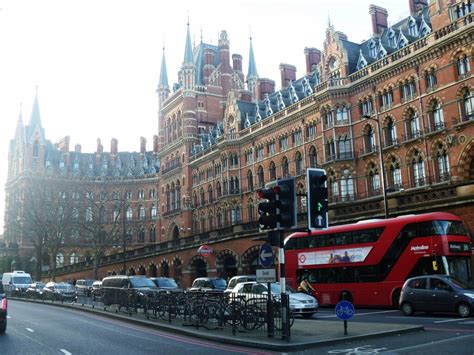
x=35, y=150
x=372, y=49
x=333, y=63
x=412, y=30
x=391, y=39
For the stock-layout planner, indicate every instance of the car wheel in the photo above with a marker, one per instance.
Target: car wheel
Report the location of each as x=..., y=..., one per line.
x=464, y=310
x=407, y=309
x=3, y=326
x=308, y=315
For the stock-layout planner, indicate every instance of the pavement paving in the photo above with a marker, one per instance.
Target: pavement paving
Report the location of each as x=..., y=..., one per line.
x=305, y=334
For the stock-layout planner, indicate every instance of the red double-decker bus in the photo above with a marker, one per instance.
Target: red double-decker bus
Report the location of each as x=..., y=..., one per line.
x=367, y=262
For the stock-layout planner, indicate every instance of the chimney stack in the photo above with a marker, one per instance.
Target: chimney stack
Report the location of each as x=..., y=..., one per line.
x=237, y=62
x=142, y=145
x=77, y=148
x=114, y=146
x=416, y=5
x=378, y=16
x=155, y=144
x=265, y=86
x=313, y=58
x=288, y=73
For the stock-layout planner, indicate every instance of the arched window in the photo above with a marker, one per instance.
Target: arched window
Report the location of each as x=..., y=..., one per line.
x=395, y=174
x=413, y=125
x=141, y=236
x=463, y=65
x=203, y=198
x=333, y=186
x=153, y=212
x=285, y=168
x=369, y=139
x=373, y=49
x=412, y=30
x=468, y=106
x=250, y=180
x=347, y=186
x=341, y=115
x=313, y=157
x=141, y=212
x=391, y=39
x=260, y=177
x=251, y=211
x=374, y=179
x=298, y=164
x=129, y=213
x=418, y=169
x=59, y=259
x=390, y=133
x=73, y=258
x=330, y=151
x=152, y=234
x=345, y=151
x=272, y=171
x=436, y=116
x=35, y=149
x=218, y=189
x=442, y=161
x=89, y=214
x=210, y=195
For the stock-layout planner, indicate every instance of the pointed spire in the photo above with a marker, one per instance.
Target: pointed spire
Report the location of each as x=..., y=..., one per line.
x=252, y=66
x=188, y=51
x=35, y=118
x=163, y=73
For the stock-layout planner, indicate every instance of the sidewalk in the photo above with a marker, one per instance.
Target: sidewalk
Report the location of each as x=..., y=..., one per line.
x=304, y=333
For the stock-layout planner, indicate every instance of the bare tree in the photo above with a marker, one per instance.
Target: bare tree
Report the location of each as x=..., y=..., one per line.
x=103, y=216
x=47, y=217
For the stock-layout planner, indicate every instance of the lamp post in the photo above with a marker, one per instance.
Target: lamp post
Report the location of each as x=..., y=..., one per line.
x=382, y=165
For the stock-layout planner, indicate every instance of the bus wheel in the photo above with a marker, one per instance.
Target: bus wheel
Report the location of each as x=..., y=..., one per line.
x=396, y=298
x=346, y=296
x=407, y=309
x=464, y=310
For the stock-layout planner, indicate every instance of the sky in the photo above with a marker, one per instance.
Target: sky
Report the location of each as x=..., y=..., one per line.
x=95, y=64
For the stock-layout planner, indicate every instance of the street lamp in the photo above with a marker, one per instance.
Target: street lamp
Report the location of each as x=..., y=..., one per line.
x=382, y=165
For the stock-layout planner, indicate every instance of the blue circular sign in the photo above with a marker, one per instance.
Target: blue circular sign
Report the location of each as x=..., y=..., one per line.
x=344, y=310
x=265, y=255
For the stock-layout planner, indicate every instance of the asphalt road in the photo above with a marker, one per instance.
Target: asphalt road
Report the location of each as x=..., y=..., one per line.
x=443, y=334
x=41, y=329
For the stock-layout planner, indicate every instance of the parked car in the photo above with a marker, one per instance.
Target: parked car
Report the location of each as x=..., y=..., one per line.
x=208, y=284
x=300, y=303
x=436, y=293
x=165, y=283
x=122, y=290
x=238, y=279
x=59, y=291
x=96, y=290
x=3, y=310
x=35, y=291
x=84, y=287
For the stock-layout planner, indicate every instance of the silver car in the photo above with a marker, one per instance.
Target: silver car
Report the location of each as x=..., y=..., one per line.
x=300, y=303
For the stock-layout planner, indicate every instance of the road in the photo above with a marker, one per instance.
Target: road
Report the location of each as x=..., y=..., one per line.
x=41, y=329
x=443, y=334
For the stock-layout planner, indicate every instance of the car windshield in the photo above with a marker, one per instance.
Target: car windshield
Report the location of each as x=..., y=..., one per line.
x=219, y=283
x=277, y=289
x=166, y=283
x=459, y=283
x=64, y=287
x=88, y=282
x=142, y=282
x=22, y=280
x=39, y=285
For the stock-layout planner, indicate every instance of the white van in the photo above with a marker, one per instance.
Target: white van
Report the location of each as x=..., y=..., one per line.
x=16, y=282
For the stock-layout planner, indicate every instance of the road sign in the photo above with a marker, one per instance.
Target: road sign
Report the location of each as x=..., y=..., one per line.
x=344, y=310
x=265, y=255
x=266, y=275
x=205, y=250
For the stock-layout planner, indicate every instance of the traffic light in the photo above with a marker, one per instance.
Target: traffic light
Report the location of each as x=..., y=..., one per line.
x=287, y=203
x=316, y=186
x=267, y=209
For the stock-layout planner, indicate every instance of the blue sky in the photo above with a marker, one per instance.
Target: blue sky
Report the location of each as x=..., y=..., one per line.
x=97, y=63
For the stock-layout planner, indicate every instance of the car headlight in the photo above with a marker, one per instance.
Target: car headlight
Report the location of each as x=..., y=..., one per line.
x=295, y=302
x=470, y=295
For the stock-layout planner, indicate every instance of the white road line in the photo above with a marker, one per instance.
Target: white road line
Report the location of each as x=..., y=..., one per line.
x=65, y=352
x=30, y=330
x=9, y=317
x=449, y=320
x=414, y=318
x=430, y=343
x=359, y=314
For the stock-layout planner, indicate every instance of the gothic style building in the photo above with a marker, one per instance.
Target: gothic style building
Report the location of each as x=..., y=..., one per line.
x=406, y=94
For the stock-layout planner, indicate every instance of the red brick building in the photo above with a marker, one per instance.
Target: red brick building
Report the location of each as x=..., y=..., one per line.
x=223, y=135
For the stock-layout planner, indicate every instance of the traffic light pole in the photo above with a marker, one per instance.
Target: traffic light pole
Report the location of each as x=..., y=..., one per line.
x=285, y=334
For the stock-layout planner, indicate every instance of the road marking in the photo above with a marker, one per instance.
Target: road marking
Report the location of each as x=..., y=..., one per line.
x=414, y=318
x=449, y=320
x=30, y=330
x=431, y=343
x=65, y=352
x=9, y=317
x=360, y=314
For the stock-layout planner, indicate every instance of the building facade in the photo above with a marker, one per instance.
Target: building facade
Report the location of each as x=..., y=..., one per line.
x=391, y=120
